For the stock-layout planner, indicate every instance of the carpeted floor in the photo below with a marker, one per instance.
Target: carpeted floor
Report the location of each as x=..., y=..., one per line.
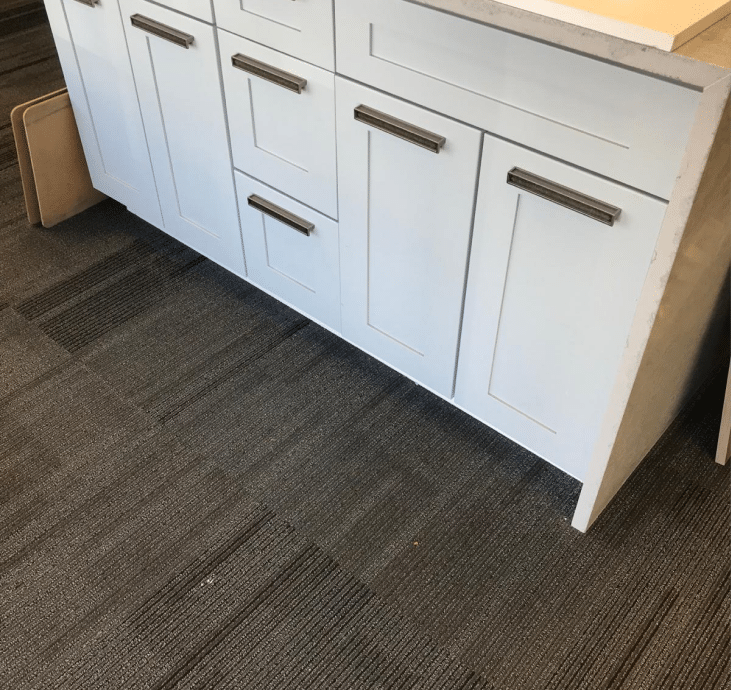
x=200, y=488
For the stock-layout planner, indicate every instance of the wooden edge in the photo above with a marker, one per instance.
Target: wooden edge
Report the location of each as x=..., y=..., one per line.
x=24, y=162
x=723, y=453
x=618, y=51
x=596, y=493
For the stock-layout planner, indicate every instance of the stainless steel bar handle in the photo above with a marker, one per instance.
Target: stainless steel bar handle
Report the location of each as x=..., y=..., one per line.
x=90, y=3
x=399, y=128
x=564, y=196
x=161, y=30
x=272, y=74
x=280, y=214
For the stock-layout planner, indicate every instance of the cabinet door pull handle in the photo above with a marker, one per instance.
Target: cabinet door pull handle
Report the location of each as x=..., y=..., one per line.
x=399, y=128
x=564, y=196
x=90, y=3
x=273, y=74
x=280, y=214
x=168, y=33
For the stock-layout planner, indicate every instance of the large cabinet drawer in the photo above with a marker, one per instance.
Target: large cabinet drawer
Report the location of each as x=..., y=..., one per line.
x=281, y=114
x=406, y=208
x=622, y=124
x=294, y=258
x=551, y=295
x=303, y=29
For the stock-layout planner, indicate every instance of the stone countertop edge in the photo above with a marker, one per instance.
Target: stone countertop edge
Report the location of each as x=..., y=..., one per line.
x=672, y=66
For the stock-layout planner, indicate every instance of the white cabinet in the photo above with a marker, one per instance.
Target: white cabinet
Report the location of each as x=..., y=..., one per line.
x=282, y=118
x=291, y=251
x=93, y=52
x=550, y=299
x=405, y=219
x=303, y=29
x=175, y=63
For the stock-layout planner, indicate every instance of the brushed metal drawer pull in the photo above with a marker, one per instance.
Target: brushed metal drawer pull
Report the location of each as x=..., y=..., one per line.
x=162, y=31
x=576, y=201
x=90, y=3
x=272, y=74
x=399, y=128
x=278, y=213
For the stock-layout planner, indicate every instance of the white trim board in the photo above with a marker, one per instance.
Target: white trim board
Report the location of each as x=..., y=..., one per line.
x=664, y=25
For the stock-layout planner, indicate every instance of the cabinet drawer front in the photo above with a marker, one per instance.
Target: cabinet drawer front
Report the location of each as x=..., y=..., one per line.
x=405, y=218
x=195, y=8
x=95, y=62
x=622, y=124
x=280, y=136
x=182, y=106
x=300, y=269
x=550, y=300
x=301, y=28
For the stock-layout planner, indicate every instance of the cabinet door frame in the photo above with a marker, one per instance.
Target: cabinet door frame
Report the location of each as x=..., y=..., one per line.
x=512, y=343
x=406, y=311
x=140, y=196
x=182, y=104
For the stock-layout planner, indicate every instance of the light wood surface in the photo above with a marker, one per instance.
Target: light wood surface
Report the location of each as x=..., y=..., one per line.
x=723, y=453
x=60, y=173
x=664, y=25
x=691, y=323
x=21, y=145
x=713, y=46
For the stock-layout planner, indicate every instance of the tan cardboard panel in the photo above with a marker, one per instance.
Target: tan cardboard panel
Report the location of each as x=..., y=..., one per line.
x=60, y=172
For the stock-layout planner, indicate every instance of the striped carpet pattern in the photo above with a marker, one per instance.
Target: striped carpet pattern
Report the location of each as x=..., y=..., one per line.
x=200, y=488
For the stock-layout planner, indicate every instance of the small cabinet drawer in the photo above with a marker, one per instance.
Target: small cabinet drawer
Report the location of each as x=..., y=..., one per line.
x=281, y=114
x=200, y=9
x=291, y=251
x=551, y=295
x=301, y=28
x=407, y=184
x=619, y=123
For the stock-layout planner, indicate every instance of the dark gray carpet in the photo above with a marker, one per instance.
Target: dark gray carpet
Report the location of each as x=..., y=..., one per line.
x=200, y=488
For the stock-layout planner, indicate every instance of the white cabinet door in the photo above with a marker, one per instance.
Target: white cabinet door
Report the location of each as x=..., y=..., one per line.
x=405, y=220
x=550, y=299
x=175, y=63
x=303, y=29
x=93, y=53
x=282, y=118
x=291, y=251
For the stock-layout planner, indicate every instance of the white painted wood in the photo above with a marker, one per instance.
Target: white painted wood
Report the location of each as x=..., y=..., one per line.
x=616, y=51
x=301, y=28
x=405, y=215
x=664, y=25
x=302, y=270
x=182, y=105
x=631, y=426
x=93, y=53
x=618, y=123
x=281, y=137
x=550, y=297
x=200, y=9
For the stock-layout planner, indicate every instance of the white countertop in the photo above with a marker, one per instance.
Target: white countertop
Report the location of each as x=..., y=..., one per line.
x=663, y=24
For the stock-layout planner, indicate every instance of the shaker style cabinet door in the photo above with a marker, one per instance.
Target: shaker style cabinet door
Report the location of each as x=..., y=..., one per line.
x=291, y=251
x=559, y=258
x=175, y=63
x=301, y=28
x=93, y=52
x=407, y=184
x=281, y=113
